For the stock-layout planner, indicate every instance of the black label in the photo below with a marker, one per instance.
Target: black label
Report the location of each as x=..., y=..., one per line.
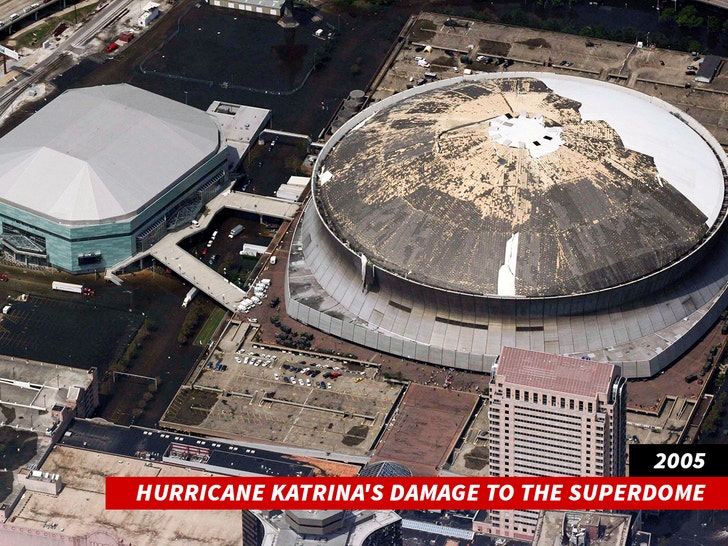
x=649, y=460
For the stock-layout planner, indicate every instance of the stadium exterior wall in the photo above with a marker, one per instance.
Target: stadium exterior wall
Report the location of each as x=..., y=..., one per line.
x=116, y=241
x=335, y=266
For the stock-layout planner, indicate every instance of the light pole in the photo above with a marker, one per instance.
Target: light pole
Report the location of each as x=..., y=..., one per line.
x=185, y=97
x=131, y=300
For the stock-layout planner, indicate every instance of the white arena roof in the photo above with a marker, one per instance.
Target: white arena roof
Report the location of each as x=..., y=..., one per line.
x=101, y=154
x=679, y=151
x=521, y=185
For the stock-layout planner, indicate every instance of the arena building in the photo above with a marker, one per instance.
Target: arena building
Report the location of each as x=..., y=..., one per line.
x=545, y=212
x=102, y=173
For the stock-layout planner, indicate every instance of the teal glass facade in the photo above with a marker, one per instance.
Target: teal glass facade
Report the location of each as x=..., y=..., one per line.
x=94, y=247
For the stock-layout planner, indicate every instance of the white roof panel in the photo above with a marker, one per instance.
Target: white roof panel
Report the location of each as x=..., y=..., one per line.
x=103, y=153
x=681, y=155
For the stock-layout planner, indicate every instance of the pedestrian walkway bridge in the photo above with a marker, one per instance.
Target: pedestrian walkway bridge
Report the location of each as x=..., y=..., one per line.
x=196, y=272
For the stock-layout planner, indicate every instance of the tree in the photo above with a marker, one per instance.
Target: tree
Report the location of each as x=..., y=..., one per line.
x=688, y=17
x=667, y=15
x=694, y=45
x=713, y=23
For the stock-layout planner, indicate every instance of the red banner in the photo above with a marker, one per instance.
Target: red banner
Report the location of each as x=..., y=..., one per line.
x=229, y=493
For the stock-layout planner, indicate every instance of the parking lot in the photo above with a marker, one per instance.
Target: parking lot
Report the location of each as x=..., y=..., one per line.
x=222, y=252
x=258, y=393
x=69, y=329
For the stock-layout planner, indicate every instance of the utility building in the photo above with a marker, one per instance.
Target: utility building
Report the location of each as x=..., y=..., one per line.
x=262, y=7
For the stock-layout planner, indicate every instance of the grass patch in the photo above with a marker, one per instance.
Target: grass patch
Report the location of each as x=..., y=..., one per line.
x=80, y=14
x=476, y=458
x=43, y=31
x=213, y=321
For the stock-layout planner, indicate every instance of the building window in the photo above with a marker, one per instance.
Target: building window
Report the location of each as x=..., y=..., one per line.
x=508, y=392
x=591, y=407
x=571, y=404
x=581, y=405
x=518, y=394
x=563, y=403
x=90, y=259
x=525, y=396
x=553, y=401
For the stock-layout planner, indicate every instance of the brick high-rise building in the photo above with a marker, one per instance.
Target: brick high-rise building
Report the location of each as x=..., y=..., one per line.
x=553, y=415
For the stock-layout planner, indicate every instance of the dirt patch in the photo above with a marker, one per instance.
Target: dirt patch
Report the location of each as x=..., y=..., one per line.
x=499, y=49
x=355, y=435
x=444, y=60
x=423, y=31
x=60, y=29
x=476, y=458
x=191, y=407
x=533, y=43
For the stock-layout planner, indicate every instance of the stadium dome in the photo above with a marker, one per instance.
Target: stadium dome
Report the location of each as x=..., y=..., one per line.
x=101, y=173
x=385, y=469
x=533, y=210
x=521, y=187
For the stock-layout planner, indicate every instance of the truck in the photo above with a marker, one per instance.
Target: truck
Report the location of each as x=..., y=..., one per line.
x=189, y=297
x=67, y=287
x=253, y=250
x=237, y=229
